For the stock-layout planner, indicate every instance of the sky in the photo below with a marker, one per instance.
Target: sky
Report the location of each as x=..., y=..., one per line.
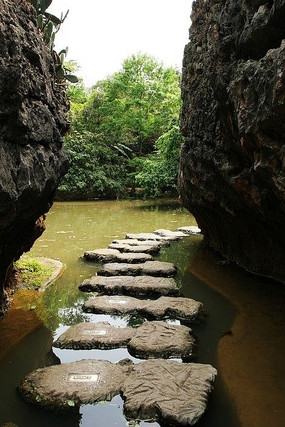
x=100, y=34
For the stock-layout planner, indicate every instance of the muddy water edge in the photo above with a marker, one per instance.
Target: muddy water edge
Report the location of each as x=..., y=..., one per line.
x=243, y=335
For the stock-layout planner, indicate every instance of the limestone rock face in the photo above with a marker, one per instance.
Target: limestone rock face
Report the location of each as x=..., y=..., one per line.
x=233, y=117
x=33, y=110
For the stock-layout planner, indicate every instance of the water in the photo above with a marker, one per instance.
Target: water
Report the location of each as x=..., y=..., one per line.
x=73, y=228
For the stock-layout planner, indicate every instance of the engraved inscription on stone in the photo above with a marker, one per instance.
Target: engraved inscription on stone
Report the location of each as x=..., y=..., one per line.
x=82, y=378
x=94, y=332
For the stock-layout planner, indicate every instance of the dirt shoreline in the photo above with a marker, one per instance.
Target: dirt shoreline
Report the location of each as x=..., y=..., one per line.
x=251, y=357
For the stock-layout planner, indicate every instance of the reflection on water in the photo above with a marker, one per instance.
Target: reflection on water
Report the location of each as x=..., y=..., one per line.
x=72, y=228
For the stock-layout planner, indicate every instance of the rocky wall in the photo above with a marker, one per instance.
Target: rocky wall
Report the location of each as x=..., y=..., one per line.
x=33, y=109
x=233, y=117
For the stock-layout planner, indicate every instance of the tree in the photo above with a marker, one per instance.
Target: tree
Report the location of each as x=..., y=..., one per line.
x=121, y=120
x=157, y=172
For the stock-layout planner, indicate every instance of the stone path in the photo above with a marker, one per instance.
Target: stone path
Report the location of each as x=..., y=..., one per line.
x=131, y=285
x=172, y=392
x=151, y=339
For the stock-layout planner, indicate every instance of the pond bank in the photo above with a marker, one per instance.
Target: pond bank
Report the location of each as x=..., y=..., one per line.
x=251, y=357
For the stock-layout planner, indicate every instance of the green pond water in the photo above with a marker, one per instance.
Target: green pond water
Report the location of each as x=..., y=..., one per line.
x=72, y=228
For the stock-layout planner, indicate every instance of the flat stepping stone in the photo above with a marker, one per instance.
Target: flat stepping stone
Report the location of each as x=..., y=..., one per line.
x=101, y=335
x=130, y=285
x=172, y=235
x=147, y=236
x=151, y=339
x=160, y=339
x=136, y=242
x=168, y=391
x=192, y=229
x=113, y=255
x=152, y=250
x=164, y=307
x=72, y=384
x=149, y=268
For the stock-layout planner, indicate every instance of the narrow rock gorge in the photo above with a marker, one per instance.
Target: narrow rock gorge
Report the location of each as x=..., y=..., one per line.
x=33, y=108
x=233, y=117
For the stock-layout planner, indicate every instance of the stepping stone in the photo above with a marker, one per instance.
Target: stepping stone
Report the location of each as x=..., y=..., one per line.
x=164, y=307
x=192, y=229
x=173, y=235
x=167, y=391
x=136, y=242
x=101, y=335
x=113, y=255
x=130, y=285
x=149, y=268
x=73, y=384
x=160, y=339
x=152, y=250
x=151, y=339
x=144, y=236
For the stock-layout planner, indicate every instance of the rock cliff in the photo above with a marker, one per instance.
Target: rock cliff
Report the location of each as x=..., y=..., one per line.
x=233, y=117
x=33, y=110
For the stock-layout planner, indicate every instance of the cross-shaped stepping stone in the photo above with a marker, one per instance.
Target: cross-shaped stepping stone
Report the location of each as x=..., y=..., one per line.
x=130, y=285
x=168, y=391
x=151, y=268
x=163, y=307
x=151, y=339
x=113, y=255
x=162, y=390
x=148, y=249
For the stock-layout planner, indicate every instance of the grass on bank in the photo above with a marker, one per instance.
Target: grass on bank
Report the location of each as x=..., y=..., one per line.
x=31, y=273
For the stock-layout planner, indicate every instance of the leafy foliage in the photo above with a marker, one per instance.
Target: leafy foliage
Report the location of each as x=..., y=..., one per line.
x=31, y=272
x=116, y=134
x=49, y=25
x=158, y=171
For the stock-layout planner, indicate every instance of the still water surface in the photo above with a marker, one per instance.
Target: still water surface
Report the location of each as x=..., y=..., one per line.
x=72, y=228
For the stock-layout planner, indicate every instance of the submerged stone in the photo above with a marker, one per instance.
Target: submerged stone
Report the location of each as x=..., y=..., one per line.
x=130, y=285
x=72, y=384
x=101, y=335
x=163, y=307
x=192, y=229
x=148, y=249
x=152, y=268
x=168, y=391
x=151, y=339
x=113, y=255
x=160, y=339
x=172, y=235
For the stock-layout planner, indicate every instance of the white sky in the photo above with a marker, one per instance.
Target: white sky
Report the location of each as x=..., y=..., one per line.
x=100, y=34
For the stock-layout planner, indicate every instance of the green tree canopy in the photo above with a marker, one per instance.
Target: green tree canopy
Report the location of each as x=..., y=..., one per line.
x=119, y=123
